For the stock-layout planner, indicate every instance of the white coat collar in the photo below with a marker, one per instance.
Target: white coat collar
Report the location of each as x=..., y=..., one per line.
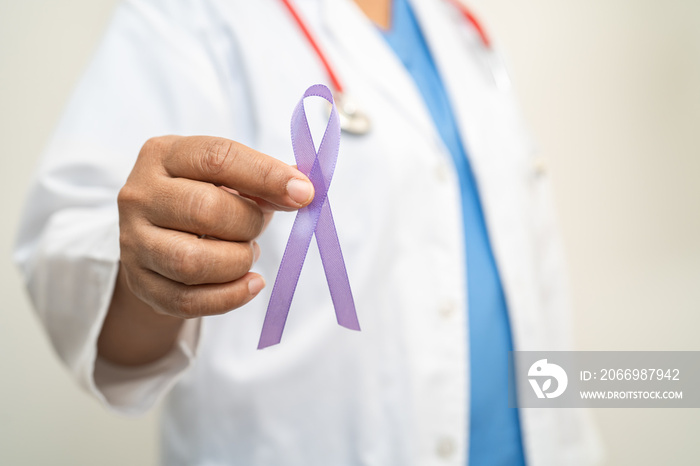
x=365, y=49
x=350, y=30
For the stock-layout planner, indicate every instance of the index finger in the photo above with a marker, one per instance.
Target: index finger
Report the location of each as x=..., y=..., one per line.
x=228, y=163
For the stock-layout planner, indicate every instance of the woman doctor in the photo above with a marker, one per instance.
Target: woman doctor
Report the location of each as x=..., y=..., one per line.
x=135, y=246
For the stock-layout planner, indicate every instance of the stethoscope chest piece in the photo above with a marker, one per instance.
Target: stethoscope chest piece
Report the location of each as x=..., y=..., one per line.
x=352, y=119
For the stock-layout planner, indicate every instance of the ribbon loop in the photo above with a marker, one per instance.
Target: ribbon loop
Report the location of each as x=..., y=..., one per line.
x=316, y=218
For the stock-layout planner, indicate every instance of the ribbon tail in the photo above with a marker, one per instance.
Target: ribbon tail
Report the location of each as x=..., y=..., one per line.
x=334, y=267
x=292, y=262
x=287, y=278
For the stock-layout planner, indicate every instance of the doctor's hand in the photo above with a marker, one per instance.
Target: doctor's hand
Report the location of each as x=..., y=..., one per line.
x=189, y=214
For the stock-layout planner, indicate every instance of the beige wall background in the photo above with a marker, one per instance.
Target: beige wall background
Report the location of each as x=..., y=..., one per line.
x=611, y=90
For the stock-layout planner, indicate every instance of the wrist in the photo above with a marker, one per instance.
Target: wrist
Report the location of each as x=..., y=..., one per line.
x=133, y=333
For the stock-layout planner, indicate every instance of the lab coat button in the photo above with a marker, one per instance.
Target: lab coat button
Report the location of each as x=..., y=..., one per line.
x=445, y=447
x=448, y=309
x=539, y=165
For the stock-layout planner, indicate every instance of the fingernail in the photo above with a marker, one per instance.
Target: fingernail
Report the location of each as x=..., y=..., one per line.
x=300, y=191
x=256, y=251
x=255, y=285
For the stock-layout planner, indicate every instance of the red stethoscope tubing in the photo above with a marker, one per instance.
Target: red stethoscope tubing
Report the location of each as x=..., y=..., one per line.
x=335, y=81
x=469, y=16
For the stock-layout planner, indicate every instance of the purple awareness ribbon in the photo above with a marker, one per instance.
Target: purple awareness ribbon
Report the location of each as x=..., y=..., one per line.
x=314, y=218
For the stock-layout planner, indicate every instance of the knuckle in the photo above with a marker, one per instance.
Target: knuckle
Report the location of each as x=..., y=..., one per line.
x=128, y=265
x=137, y=194
x=267, y=174
x=203, y=210
x=218, y=152
x=241, y=259
x=248, y=257
x=126, y=245
x=187, y=264
x=159, y=143
x=256, y=224
x=185, y=304
x=131, y=239
x=252, y=224
x=129, y=195
x=155, y=146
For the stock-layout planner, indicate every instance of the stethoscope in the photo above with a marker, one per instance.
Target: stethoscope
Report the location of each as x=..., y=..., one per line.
x=352, y=119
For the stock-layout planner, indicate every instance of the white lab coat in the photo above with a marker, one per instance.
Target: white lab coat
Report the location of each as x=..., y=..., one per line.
x=396, y=393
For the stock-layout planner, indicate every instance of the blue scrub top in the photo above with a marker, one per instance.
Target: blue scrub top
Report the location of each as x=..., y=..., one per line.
x=494, y=428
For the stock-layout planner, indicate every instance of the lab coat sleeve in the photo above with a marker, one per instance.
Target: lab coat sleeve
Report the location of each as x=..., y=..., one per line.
x=152, y=75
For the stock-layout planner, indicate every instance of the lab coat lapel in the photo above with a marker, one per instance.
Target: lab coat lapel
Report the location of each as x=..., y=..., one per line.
x=498, y=153
x=357, y=38
x=447, y=47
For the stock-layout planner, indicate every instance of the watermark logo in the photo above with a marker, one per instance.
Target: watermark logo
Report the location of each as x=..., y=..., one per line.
x=604, y=379
x=542, y=370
